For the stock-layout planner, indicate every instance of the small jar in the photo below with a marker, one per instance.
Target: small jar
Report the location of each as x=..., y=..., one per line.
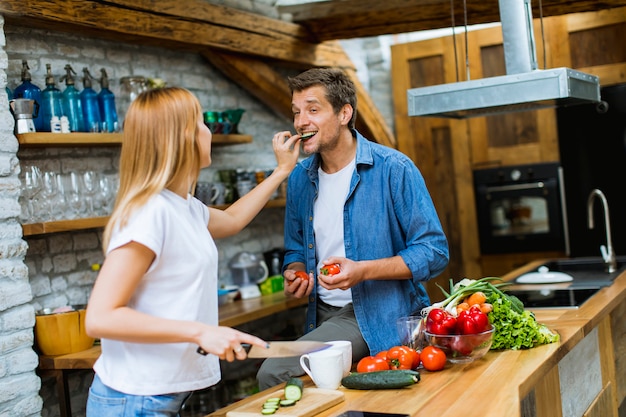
x=133, y=86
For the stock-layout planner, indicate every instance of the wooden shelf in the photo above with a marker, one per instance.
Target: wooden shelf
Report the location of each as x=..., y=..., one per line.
x=42, y=139
x=33, y=229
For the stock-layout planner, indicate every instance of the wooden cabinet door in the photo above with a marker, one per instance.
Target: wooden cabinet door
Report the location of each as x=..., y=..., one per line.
x=440, y=148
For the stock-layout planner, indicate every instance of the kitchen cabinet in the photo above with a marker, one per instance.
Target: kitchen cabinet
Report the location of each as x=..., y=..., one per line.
x=99, y=139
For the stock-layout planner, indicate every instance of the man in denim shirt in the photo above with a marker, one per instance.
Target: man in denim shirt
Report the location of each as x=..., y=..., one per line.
x=359, y=205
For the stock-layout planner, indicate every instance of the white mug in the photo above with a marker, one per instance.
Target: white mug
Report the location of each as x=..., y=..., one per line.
x=345, y=346
x=325, y=367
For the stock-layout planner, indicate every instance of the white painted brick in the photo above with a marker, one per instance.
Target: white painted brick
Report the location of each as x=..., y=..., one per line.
x=14, y=270
x=64, y=262
x=18, y=318
x=14, y=293
x=12, y=248
x=22, y=361
x=40, y=285
x=10, y=342
x=58, y=284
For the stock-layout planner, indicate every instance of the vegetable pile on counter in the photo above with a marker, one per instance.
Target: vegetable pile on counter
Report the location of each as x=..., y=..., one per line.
x=515, y=327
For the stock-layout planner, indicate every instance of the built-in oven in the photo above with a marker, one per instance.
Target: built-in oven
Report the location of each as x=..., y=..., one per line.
x=521, y=209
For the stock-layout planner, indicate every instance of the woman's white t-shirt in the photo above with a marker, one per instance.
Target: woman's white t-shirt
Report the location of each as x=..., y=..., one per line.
x=181, y=284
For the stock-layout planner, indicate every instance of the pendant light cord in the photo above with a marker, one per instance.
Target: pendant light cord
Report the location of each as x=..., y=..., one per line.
x=543, y=37
x=467, y=67
x=456, y=58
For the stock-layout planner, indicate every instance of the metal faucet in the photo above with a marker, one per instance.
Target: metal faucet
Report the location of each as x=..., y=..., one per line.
x=608, y=254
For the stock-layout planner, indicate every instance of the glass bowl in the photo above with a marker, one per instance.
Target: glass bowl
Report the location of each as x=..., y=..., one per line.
x=462, y=348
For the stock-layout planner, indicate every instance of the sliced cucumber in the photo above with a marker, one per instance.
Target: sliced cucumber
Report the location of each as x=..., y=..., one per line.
x=268, y=411
x=293, y=389
x=287, y=403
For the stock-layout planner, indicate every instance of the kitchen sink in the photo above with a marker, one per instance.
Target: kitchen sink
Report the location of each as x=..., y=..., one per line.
x=587, y=272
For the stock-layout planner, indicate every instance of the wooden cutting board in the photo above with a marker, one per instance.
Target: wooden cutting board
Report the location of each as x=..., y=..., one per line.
x=313, y=401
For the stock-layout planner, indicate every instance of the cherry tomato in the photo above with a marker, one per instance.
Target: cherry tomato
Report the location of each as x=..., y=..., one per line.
x=302, y=275
x=382, y=354
x=371, y=364
x=331, y=269
x=400, y=357
x=433, y=358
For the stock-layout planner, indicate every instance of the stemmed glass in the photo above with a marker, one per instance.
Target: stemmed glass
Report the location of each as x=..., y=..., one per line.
x=73, y=195
x=90, y=188
x=50, y=210
x=30, y=190
x=106, y=195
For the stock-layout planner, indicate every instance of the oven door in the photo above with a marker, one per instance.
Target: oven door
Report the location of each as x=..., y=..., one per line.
x=520, y=217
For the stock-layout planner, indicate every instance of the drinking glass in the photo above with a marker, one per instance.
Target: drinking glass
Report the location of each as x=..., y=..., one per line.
x=49, y=192
x=90, y=188
x=31, y=188
x=73, y=195
x=410, y=331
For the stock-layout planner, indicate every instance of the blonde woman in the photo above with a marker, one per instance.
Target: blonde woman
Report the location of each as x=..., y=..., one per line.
x=155, y=299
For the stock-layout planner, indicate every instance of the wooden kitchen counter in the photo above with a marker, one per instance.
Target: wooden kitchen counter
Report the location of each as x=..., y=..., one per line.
x=502, y=382
x=230, y=314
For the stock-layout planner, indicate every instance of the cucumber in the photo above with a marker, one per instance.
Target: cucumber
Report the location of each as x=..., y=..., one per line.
x=381, y=379
x=267, y=411
x=287, y=403
x=293, y=389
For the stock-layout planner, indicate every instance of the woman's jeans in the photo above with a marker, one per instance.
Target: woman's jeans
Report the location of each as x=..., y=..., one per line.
x=107, y=402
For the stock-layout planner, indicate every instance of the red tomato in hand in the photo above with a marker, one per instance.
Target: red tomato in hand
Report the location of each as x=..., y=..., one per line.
x=331, y=269
x=371, y=364
x=433, y=358
x=302, y=275
x=401, y=357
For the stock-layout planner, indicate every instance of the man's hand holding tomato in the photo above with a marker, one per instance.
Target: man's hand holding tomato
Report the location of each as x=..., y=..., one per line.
x=348, y=275
x=298, y=283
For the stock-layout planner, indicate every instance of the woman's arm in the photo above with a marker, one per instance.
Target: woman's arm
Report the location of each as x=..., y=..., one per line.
x=228, y=222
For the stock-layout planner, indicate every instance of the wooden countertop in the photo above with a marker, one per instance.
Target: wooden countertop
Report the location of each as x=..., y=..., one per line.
x=495, y=385
x=230, y=314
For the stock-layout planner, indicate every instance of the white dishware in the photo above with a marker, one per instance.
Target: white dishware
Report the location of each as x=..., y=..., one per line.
x=345, y=347
x=325, y=367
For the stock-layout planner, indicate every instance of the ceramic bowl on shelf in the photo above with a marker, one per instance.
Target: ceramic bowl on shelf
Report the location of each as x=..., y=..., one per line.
x=462, y=348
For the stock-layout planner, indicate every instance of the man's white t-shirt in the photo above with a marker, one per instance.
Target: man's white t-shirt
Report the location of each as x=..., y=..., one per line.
x=328, y=226
x=181, y=284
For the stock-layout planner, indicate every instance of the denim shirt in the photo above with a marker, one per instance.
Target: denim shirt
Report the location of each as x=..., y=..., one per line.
x=388, y=212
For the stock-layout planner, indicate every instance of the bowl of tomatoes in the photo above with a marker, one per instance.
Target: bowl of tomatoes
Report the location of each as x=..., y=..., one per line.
x=462, y=348
x=464, y=337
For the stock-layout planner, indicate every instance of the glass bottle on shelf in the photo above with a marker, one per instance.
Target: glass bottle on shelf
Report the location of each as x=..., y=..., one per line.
x=71, y=102
x=30, y=91
x=89, y=103
x=51, y=101
x=106, y=102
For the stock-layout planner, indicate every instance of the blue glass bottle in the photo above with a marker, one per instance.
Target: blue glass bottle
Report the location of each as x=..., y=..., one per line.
x=89, y=103
x=51, y=101
x=30, y=91
x=71, y=102
x=106, y=101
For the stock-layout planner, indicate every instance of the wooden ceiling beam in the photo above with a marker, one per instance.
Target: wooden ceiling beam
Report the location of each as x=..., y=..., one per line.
x=262, y=81
x=347, y=19
x=188, y=24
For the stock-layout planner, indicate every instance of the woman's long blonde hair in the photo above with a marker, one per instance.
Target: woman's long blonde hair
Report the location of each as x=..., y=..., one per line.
x=159, y=149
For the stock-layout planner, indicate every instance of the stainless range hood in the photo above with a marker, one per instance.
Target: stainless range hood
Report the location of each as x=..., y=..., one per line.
x=523, y=88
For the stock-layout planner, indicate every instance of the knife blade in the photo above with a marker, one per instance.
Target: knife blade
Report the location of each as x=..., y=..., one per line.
x=286, y=349
x=280, y=349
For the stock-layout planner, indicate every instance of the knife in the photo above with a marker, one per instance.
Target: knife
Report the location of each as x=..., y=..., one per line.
x=280, y=349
